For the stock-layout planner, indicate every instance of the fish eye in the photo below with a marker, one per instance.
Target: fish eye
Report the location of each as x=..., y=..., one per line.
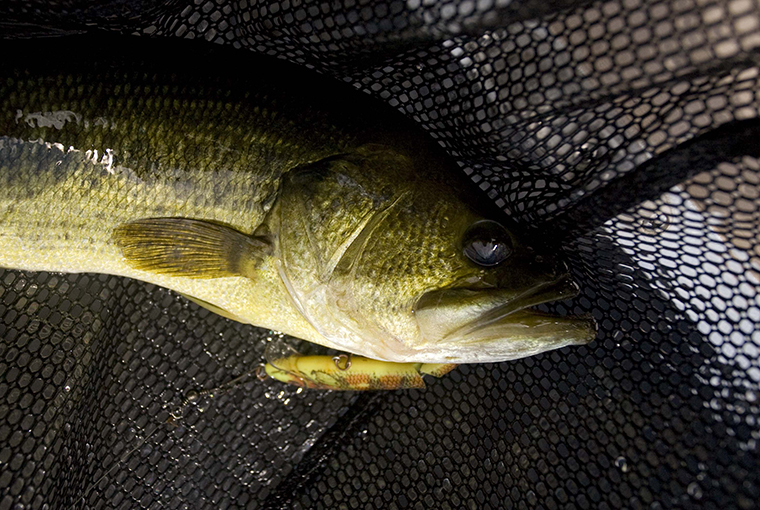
x=487, y=243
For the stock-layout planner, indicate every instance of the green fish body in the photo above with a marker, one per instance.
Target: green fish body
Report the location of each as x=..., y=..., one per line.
x=268, y=194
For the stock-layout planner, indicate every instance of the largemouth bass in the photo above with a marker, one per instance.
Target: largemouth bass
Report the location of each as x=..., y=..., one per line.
x=268, y=194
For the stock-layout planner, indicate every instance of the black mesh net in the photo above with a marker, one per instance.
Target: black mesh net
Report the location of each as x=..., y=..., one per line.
x=628, y=129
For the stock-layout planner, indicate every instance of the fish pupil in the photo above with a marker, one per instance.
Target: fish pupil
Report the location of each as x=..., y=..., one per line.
x=487, y=243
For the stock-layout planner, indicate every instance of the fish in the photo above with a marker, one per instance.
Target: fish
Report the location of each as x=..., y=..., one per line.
x=270, y=195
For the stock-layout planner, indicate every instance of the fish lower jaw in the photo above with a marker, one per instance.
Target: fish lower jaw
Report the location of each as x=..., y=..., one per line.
x=518, y=335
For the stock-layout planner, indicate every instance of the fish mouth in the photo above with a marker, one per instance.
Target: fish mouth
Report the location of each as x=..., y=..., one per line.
x=517, y=308
x=493, y=325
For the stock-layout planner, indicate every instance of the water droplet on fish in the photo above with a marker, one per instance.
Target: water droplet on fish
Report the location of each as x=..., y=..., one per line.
x=622, y=464
x=67, y=388
x=192, y=396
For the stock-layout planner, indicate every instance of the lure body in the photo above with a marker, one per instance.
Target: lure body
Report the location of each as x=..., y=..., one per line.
x=354, y=373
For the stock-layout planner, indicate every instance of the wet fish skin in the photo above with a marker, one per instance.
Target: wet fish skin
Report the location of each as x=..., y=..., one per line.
x=357, y=215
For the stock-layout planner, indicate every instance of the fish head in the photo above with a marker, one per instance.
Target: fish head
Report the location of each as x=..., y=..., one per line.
x=386, y=259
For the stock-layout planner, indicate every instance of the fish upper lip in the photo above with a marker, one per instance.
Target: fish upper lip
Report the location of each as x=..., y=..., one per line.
x=562, y=288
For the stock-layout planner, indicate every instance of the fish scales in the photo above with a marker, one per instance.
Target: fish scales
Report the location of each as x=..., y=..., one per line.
x=85, y=148
x=180, y=154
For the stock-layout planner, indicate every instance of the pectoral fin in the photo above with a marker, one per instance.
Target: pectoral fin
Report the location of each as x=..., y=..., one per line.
x=190, y=248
